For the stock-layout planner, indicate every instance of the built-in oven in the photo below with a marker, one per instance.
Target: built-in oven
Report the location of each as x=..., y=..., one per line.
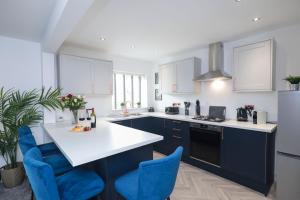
x=205, y=143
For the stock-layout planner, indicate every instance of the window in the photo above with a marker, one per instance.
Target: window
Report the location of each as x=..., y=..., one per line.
x=130, y=89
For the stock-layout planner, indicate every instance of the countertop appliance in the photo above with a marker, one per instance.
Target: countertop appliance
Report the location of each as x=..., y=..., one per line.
x=288, y=148
x=205, y=143
x=173, y=110
x=261, y=117
x=216, y=114
x=242, y=114
x=151, y=109
x=187, y=108
x=254, y=117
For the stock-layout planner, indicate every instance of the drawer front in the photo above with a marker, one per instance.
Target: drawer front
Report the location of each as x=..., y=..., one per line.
x=177, y=135
x=174, y=124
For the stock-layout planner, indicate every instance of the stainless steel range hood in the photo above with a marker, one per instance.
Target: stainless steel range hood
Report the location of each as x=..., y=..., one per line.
x=216, y=64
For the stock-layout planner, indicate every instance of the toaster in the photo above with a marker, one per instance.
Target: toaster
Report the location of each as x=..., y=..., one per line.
x=172, y=110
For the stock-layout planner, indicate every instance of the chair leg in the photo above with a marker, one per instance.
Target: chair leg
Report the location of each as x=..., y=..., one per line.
x=32, y=195
x=168, y=198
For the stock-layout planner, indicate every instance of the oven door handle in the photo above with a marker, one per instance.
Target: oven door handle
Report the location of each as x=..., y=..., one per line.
x=207, y=132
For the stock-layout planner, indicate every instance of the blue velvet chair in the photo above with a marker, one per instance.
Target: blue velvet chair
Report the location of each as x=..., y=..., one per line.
x=59, y=163
x=46, y=149
x=153, y=180
x=78, y=184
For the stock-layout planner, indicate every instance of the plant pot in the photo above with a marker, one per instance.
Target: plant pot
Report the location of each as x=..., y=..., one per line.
x=294, y=87
x=12, y=177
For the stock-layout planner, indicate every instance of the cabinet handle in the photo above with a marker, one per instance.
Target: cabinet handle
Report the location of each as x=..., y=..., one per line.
x=177, y=137
x=176, y=129
x=222, y=136
x=176, y=122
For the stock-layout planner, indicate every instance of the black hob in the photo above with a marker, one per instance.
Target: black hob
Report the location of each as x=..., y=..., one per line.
x=207, y=118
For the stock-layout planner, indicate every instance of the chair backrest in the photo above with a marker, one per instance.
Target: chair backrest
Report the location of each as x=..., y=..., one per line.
x=24, y=130
x=26, y=142
x=157, y=177
x=40, y=175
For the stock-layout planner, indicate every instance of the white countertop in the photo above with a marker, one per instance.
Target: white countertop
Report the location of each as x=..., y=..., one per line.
x=268, y=128
x=106, y=140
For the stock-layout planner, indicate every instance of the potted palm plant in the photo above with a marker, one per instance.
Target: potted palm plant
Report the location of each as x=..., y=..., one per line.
x=18, y=109
x=294, y=82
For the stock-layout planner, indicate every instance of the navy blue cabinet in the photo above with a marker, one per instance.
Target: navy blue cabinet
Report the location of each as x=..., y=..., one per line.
x=243, y=153
x=142, y=124
x=177, y=134
x=157, y=126
x=127, y=122
x=249, y=155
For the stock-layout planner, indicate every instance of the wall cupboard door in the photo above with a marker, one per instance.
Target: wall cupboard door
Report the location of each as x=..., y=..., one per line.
x=168, y=78
x=75, y=75
x=85, y=76
x=177, y=77
x=253, y=67
x=185, y=74
x=102, y=77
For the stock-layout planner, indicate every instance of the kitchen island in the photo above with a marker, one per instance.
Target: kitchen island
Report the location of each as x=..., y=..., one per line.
x=114, y=149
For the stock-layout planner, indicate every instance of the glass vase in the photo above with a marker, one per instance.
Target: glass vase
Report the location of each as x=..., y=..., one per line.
x=75, y=116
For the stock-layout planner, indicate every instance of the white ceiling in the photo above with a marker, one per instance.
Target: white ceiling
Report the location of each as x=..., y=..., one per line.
x=161, y=27
x=25, y=19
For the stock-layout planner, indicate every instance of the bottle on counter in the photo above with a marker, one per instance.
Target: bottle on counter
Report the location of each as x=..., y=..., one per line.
x=197, y=109
x=93, y=118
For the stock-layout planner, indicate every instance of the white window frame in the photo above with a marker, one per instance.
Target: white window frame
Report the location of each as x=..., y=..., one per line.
x=124, y=86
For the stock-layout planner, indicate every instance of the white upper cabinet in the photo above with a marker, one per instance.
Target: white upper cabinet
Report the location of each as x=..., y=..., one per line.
x=168, y=78
x=102, y=77
x=85, y=76
x=177, y=77
x=253, y=67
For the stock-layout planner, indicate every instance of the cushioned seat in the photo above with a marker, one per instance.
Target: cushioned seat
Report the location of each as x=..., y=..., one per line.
x=59, y=163
x=71, y=186
x=46, y=149
x=78, y=184
x=131, y=180
x=153, y=180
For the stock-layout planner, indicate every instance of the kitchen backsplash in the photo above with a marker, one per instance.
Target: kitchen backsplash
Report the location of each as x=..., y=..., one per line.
x=208, y=95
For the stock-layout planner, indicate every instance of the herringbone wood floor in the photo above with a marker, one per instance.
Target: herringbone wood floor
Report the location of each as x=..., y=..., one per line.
x=196, y=184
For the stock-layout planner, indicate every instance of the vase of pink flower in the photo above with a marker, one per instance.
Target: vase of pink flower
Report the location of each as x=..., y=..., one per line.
x=73, y=103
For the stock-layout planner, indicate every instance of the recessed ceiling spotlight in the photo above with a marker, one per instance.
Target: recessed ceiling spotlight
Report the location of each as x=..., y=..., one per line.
x=102, y=38
x=237, y=1
x=256, y=19
x=132, y=46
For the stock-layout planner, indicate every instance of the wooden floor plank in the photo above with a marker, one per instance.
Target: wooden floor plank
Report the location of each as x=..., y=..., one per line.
x=196, y=184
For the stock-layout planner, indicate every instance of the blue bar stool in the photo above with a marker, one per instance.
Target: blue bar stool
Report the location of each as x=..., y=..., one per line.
x=153, y=180
x=59, y=163
x=46, y=149
x=78, y=184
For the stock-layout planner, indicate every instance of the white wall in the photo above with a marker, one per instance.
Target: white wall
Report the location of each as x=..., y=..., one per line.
x=287, y=62
x=103, y=105
x=20, y=68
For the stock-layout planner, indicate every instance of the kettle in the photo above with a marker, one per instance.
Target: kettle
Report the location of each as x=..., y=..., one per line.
x=242, y=114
